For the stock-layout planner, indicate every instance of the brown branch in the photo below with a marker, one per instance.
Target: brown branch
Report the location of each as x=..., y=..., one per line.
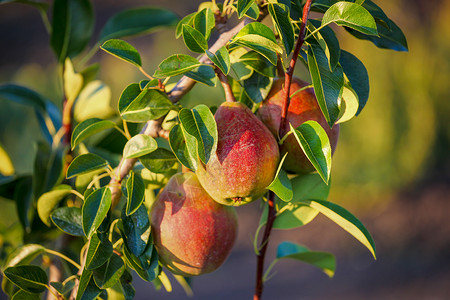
x=290, y=70
x=271, y=196
x=263, y=246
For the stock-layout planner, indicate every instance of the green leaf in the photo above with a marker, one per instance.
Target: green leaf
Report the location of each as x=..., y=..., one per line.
x=68, y=220
x=122, y=50
x=95, y=209
x=393, y=39
x=136, y=230
x=221, y=59
x=349, y=104
x=135, y=192
x=327, y=85
x=281, y=185
x=179, y=148
x=130, y=93
x=85, y=163
x=257, y=87
x=327, y=40
x=146, y=265
x=48, y=168
x=87, y=289
x=260, y=38
x=99, y=251
x=159, y=161
x=24, y=201
x=29, y=278
x=314, y=142
x=72, y=27
x=64, y=289
x=309, y=186
x=199, y=122
x=136, y=21
x=22, y=95
x=88, y=128
x=280, y=16
x=350, y=15
x=243, y=6
x=253, y=12
x=194, y=39
x=293, y=215
x=48, y=202
x=323, y=260
x=176, y=64
x=139, y=145
x=204, y=74
x=344, y=219
x=356, y=73
x=150, y=104
x=204, y=22
x=42, y=6
x=127, y=288
x=258, y=63
x=109, y=274
x=187, y=20
x=23, y=295
x=23, y=255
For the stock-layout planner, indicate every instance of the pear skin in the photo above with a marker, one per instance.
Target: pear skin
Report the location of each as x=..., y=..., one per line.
x=192, y=233
x=246, y=159
x=303, y=107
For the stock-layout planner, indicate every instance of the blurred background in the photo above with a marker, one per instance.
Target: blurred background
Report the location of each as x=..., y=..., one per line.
x=391, y=168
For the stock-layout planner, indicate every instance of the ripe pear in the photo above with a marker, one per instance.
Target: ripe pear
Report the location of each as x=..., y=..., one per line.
x=193, y=234
x=246, y=159
x=303, y=107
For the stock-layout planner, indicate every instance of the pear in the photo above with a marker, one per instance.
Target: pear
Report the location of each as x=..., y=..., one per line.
x=246, y=159
x=303, y=107
x=192, y=233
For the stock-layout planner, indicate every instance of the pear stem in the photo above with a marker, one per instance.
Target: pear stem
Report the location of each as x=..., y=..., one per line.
x=290, y=70
x=229, y=96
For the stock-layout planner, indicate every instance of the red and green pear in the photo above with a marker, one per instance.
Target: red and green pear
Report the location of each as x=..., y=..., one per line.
x=246, y=159
x=193, y=234
x=303, y=107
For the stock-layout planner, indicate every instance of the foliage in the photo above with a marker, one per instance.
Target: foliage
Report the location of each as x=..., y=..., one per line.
x=78, y=186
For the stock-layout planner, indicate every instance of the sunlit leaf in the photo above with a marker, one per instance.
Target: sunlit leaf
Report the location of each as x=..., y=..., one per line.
x=349, y=104
x=204, y=22
x=328, y=41
x=344, y=219
x=175, y=65
x=204, y=74
x=150, y=104
x=95, y=209
x=351, y=15
x=194, y=39
x=88, y=128
x=159, y=161
x=122, y=50
x=23, y=255
x=29, y=278
x=243, y=6
x=135, y=193
x=139, y=145
x=179, y=148
x=48, y=201
x=281, y=185
x=85, y=163
x=221, y=59
x=314, y=142
x=280, y=16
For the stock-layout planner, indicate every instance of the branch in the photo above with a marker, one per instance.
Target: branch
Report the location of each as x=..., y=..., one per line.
x=290, y=70
x=263, y=246
x=271, y=196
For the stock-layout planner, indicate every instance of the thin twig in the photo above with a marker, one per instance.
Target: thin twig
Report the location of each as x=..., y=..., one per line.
x=229, y=96
x=290, y=70
x=263, y=248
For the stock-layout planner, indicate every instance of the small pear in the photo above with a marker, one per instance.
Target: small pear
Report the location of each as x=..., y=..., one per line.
x=303, y=107
x=246, y=159
x=193, y=234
